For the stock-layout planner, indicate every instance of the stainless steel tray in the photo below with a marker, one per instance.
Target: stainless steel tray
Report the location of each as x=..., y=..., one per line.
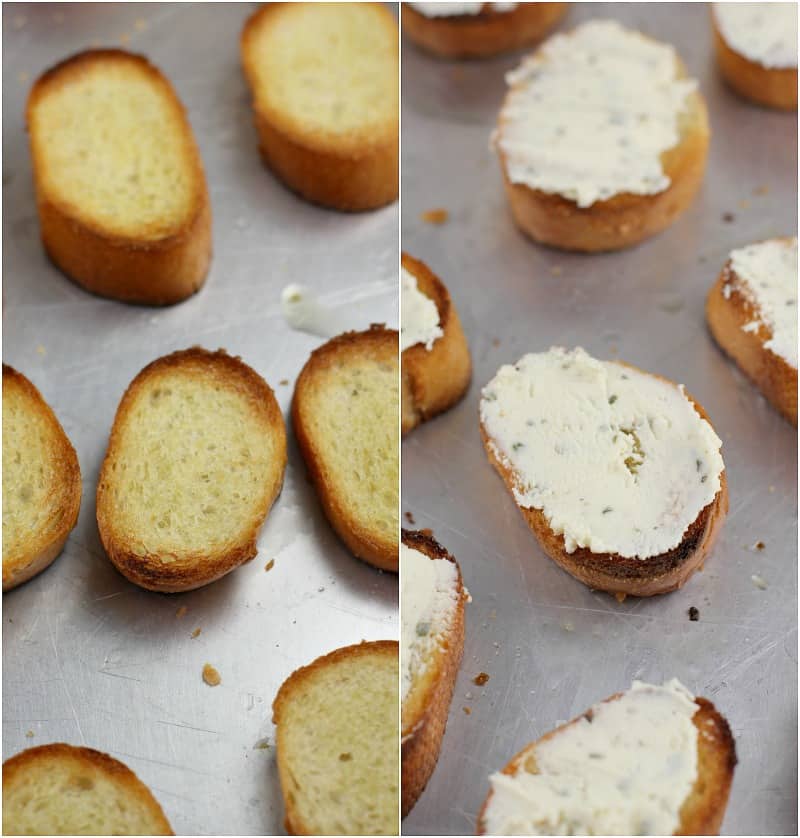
x=87, y=657
x=551, y=646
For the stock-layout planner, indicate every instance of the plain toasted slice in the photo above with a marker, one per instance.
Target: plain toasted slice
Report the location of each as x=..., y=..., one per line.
x=324, y=80
x=703, y=809
x=194, y=463
x=431, y=676
x=63, y=790
x=434, y=379
x=41, y=482
x=345, y=414
x=730, y=312
x=337, y=743
x=122, y=198
x=488, y=33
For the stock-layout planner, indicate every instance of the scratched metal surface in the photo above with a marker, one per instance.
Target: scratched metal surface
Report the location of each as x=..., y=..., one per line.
x=87, y=657
x=551, y=646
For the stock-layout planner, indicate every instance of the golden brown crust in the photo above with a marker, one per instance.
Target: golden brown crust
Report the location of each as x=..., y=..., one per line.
x=726, y=318
x=617, y=574
x=112, y=768
x=377, y=342
x=771, y=87
x=434, y=380
x=483, y=35
x=186, y=572
x=146, y=270
x=44, y=549
x=704, y=809
x=349, y=174
x=426, y=707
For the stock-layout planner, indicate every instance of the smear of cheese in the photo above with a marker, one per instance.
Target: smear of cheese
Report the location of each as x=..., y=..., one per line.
x=419, y=317
x=765, y=33
x=458, y=9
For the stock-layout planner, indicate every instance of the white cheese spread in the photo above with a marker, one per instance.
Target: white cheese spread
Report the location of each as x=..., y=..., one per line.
x=765, y=274
x=590, y=113
x=765, y=33
x=419, y=317
x=618, y=460
x=459, y=9
x=625, y=772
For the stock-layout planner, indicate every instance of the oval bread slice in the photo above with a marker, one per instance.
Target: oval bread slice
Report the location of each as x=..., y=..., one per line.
x=324, y=80
x=337, y=744
x=122, y=198
x=434, y=379
x=195, y=461
x=41, y=482
x=63, y=790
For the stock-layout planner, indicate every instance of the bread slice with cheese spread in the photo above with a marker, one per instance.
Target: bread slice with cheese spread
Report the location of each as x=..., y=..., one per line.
x=122, y=198
x=41, y=482
x=646, y=160
x=478, y=30
x=650, y=761
x=194, y=463
x=345, y=414
x=756, y=49
x=325, y=85
x=432, y=599
x=63, y=790
x=617, y=472
x=337, y=744
x=436, y=365
x=752, y=313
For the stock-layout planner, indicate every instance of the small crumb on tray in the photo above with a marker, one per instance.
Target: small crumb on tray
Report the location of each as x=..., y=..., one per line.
x=694, y=614
x=495, y=342
x=211, y=676
x=269, y=565
x=759, y=545
x=181, y=611
x=620, y=597
x=140, y=24
x=283, y=382
x=41, y=350
x=761, y=190
x=435, y=216
x=196, y=633
x=759, y=582
x=29, y=734
x=467, y=710
x=262, y=744
x=345, y=757
x=480, y=679
x=556, y=270
x=728, y=217
x=410, y=518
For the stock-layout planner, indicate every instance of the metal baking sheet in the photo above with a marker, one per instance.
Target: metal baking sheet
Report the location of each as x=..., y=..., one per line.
x=87, y=657
x=551, y=646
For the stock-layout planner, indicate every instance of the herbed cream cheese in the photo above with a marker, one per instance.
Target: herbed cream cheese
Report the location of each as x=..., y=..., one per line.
x=590, y=113
x=419, y=317
x=765, y=274
x=459, y=9
x=765, y=33
x=625, y=772
x=429, y=595
x=618, y=460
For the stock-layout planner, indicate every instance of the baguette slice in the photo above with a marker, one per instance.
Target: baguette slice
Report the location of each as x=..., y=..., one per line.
x=337, y=745
x=434, y=379
x=345, y=416
x=324, y=80
x=63, y=790
x=428, y=679
x=41, y=482
x=194, y=463
x=488, y=33
x=703, y=809
x=122, y=198
x=730, y=309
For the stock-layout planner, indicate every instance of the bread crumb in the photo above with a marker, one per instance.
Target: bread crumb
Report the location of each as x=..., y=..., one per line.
x=196, y=633
x=728, y=217
x=29, y=734
x=345, y=757
x=495, y=342
x=556, y=270
x=744, y=204
x=269, y=565
x=41, y=350
x=620, y=597
x=761, y=190
x=480, y=679
x=211, y=676
x=140, y=24
x=759, y=582
x=467, y=710
x=410, y=518
x=694, y=614
x=181, y=612
x=759, y=545
x=262, y=744
x=568, y=627
x=283, y=382
x=435, y=216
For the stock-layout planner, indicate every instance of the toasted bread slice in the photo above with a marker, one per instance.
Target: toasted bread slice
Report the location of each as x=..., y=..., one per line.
x=345, y=414
x=699, y=812
x=432, y=601
x=63, y=790
x=122, y=198
x=628, y=203
x=490, y=31
x=194, y=463
x=628, y=498
x=41, y=482
x=324, y=79
x=337, y=745
x=436, y=373
x=770, y=79
x=747, y=333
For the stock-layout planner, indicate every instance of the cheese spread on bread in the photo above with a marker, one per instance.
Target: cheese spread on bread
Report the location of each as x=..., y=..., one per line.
x=765, y=274
x=459, y=9
x=419, y=317
x=624, y=768
x=765, y=33
x=618, y=461
x=590, y=113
